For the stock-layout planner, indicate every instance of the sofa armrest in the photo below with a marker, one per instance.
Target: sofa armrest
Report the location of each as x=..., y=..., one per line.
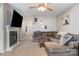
x=73, y=44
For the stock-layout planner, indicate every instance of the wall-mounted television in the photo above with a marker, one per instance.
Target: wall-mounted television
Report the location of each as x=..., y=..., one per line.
x=16, y=19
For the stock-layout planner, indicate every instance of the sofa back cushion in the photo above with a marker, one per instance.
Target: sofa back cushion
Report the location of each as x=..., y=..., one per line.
x=52, y=34
x=61, y=40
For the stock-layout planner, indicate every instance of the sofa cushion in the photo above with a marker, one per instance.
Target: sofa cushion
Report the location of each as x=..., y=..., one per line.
x=52, y=44
x=52, y=34
x=56, y=47
x=54, y=39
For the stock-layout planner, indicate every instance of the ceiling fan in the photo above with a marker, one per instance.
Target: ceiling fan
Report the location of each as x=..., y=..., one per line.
x=42, y=7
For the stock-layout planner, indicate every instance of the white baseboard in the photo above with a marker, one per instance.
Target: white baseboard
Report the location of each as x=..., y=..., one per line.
x=9, y=49
x=14, y=46
x=2, y=51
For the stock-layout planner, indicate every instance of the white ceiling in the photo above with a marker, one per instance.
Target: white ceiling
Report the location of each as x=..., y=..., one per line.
x=58, y=8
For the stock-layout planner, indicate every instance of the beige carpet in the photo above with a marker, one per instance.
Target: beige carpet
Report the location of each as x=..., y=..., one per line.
x=27, y=48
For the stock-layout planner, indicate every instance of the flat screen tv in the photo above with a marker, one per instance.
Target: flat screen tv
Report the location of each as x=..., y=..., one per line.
x=16, y=19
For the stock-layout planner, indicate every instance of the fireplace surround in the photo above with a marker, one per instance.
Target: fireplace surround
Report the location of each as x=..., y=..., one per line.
x=13, y=37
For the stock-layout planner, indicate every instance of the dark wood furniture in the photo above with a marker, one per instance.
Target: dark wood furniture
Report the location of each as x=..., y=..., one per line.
x=42, y=41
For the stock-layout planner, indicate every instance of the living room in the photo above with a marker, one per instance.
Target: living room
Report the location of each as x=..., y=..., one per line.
x=39, y=26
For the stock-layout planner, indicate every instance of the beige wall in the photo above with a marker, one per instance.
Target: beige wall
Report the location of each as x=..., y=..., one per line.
x=49, y=21
x=31, y=27
x=73, y=26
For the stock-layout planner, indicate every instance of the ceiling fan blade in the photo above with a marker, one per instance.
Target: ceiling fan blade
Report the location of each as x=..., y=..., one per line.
x=49, y=9
x=33, y=7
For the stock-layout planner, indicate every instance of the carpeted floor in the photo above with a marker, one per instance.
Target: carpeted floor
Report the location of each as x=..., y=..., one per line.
x=27, y=48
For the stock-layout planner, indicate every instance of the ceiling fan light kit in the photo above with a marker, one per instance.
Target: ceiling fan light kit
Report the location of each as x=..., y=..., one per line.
x=42, y=7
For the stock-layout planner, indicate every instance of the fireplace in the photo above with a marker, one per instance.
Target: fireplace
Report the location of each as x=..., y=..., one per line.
x=13, y=38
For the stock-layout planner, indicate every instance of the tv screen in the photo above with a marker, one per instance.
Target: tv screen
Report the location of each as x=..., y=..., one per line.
x=16, y=19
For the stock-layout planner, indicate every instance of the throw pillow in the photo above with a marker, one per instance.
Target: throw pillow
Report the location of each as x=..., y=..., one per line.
x=65, y=39
x=61, y=40
x=61, y=34
x=74, y=36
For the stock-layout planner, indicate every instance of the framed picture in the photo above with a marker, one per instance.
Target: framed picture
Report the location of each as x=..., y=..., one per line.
x=65, y=20
x=45, y=27
x=35, y=19
x=26, y=28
